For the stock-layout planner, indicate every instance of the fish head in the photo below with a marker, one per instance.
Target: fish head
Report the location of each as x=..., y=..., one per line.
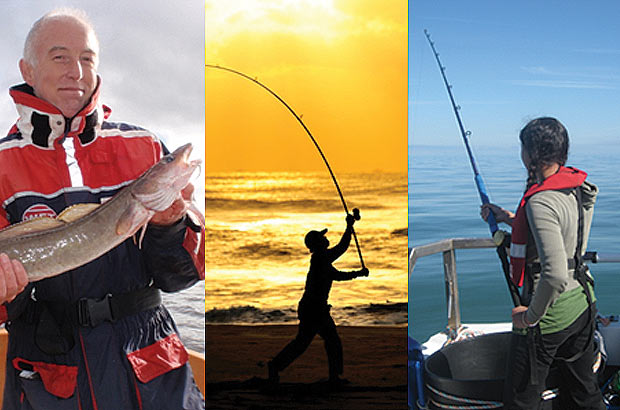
x=158, y=187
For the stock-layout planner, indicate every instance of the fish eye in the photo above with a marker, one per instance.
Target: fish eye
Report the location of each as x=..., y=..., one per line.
x=168, y=159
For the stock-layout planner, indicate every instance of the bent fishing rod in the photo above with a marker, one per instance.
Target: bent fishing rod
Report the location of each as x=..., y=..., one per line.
x=498, y=235
x=356, y=214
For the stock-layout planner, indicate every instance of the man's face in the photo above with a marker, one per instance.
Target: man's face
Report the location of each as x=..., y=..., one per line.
x=324, y=243
x=65, y=71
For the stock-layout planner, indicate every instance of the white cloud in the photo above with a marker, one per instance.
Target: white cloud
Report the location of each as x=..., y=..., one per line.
x=538, y=70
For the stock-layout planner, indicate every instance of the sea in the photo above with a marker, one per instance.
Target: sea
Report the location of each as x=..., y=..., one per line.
x=444, y=203
x=256, y=260
x=186, y=308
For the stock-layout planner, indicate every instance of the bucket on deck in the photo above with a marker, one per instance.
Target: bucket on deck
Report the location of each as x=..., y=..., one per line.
x=468, y=371
x=471, y=373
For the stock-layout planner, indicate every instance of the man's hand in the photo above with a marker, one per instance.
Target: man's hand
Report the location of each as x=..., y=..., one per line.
x=518, y=317
x=13, y=278
x=177, y=210
x=350, y=220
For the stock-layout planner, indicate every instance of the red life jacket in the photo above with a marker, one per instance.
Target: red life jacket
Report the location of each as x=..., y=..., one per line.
x=566, y=177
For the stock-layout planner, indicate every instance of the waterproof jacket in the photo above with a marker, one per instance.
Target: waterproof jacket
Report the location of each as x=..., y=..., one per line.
x=47, y=163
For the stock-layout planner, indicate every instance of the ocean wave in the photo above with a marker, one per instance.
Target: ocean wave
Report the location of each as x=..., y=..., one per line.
x=235, y=247
x=374, y=314
x=379, y=308
x=400, y=232
x=249, y=315
x=296, y=205
x=268, y=250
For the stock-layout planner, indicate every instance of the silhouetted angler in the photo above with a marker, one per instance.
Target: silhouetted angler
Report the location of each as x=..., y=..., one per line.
x=313, y=309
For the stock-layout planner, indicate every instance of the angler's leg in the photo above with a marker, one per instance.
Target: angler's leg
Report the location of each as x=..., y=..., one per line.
x=527, y=370
x=306, y=332
x=580, y=387
x=333, y=347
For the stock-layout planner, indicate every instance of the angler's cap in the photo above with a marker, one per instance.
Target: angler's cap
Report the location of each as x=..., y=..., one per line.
x=313, y=237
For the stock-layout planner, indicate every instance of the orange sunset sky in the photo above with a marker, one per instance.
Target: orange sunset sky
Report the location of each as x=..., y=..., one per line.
x=340, y=64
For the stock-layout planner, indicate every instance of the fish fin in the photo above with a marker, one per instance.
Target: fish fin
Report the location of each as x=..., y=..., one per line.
x=30, y=226
x=142, y=232
x=76, y=212
x=195, y=215
x=138, y=240
x=132, y=219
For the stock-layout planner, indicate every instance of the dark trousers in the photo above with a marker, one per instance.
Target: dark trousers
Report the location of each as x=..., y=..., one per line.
x=578, y=384
x=312, y=323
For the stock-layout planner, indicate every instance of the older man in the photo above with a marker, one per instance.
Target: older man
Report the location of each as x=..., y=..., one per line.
x=96, y=337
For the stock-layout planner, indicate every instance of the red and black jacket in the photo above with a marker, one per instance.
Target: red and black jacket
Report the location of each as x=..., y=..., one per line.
x=49, y=162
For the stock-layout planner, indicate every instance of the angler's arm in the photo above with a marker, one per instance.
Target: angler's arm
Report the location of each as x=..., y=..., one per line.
x=175, y=252
x=13, y=281
x=340, y=275
x=13, y=309
x=544, y=223
x=342, y=246
x=501, y=214
x=174, y=255
x=174, y=243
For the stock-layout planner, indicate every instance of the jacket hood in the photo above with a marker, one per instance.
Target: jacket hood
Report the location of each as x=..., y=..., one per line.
x=589, y=192
x=42, y=123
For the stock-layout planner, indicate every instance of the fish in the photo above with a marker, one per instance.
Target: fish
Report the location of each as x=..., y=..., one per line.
x=48, y=246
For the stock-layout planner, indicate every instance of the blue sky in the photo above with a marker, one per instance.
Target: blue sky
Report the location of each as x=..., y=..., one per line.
x=510, y=62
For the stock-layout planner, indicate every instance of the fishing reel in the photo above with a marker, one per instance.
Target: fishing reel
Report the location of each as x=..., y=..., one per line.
x=502, y=238
x=356, y=214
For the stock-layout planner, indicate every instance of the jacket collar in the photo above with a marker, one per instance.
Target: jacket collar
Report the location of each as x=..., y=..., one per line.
x=43, y=123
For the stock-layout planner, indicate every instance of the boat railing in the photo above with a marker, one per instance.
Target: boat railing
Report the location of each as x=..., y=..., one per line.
x=448, y=247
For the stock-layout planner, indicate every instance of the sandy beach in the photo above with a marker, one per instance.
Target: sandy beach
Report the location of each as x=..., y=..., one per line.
x=374, y=362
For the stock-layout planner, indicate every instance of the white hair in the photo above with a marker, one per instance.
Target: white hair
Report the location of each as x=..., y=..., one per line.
x=63, y=13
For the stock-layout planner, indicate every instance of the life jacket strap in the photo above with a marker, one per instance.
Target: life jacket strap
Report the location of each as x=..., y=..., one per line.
x=535, y=267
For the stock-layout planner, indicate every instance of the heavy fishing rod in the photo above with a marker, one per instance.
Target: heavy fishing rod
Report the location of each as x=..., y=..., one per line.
x=356, y=212
x=498, y=236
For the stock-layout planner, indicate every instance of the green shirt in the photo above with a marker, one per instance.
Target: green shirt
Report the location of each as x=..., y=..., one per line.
x=565, y=310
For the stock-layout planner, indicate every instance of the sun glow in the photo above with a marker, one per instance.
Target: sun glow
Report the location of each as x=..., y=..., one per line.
x=292, y=16
x=342, y=64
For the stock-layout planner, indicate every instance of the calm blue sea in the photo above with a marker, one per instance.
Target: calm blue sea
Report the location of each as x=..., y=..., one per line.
x=444, y=203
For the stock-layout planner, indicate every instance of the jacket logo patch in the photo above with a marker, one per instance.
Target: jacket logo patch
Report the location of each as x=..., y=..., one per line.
x=38, y=210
